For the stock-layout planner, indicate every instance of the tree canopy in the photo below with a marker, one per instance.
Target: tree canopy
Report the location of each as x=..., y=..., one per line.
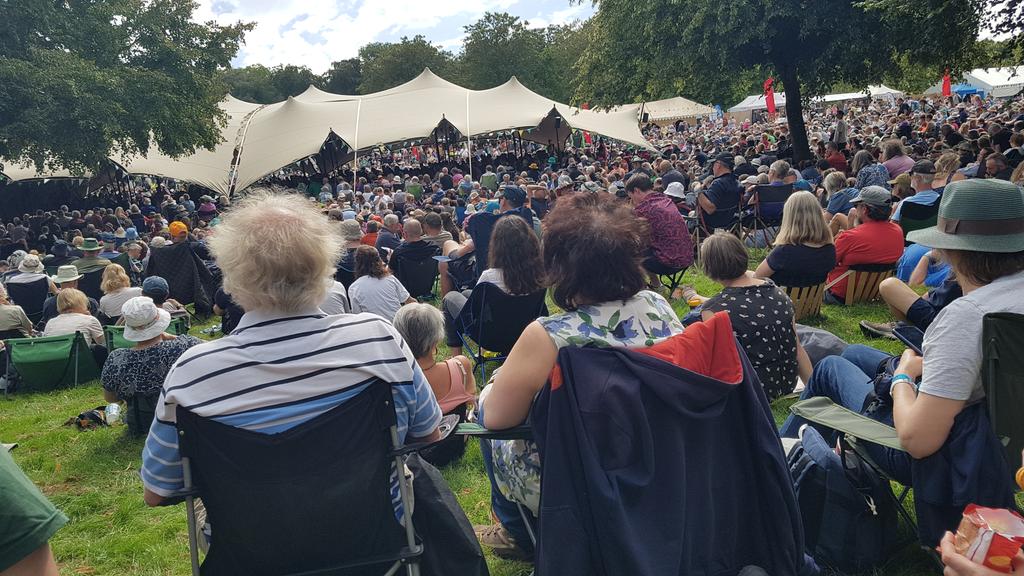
x=385, y=65
x=704, y=47
x=81, y=81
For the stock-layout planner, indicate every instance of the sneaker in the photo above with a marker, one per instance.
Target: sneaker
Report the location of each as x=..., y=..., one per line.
x=501, y=543
x=877, y=329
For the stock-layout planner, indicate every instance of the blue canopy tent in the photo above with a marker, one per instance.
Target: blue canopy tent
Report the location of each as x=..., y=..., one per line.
x=964, y=89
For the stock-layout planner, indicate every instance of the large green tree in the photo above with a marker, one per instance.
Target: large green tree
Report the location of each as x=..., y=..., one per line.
x=343, y=77
x=83, y=80
x=388, y=64
x=642, y=49
x=499, y=46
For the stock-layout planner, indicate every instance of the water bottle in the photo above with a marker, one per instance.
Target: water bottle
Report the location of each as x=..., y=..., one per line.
x=113, y=412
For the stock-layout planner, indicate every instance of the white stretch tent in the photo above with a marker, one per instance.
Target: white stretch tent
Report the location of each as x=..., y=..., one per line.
x=270, y=137
x=880, y=91
x=998, y=82
x=17, y=170
x=670, y=109
x=757, y=102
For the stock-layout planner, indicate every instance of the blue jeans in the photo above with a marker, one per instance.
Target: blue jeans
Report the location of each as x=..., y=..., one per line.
x=847, y=380
x=506, y=510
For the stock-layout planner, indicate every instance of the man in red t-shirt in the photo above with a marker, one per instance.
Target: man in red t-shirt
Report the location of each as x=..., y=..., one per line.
x=876, y=240
x=835, y=158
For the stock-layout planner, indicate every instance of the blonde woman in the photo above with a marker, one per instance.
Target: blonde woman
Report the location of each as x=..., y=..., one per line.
x=117, y=289
x=804, y=253
x=945, y=169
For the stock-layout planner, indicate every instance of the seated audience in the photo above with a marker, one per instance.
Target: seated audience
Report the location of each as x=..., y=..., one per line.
x=60, y=255
x=593, y=249
x=434, y=231
x=73, y=308
x=352, y=236
x=414, y=247
x=516, y=269
x=868, y=171
x=14, y=323
x=719, y=204
x=376, y=290
x=230, y=312
x=280, y=285
x=422, y=328
x=31, y=280
x=936, y=399
x=761, y=315
x=874, y=240
x=837, y=200
x=90, y=260
x=895, y=158
x=117, y=289
x=372, y=231
x=836, y=159
x=390, y=236
x=67, y=277
x=671, y=248
x=157, y=290
x=135, y=375
x=804, y=252
x=921, y=178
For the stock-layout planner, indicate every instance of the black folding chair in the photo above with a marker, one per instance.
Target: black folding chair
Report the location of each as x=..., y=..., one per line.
x=418, y=276
x=31, y=296
x=314, y=499
x=767, y=211
x=915, y=216
x=493, y=321
x=90, y=284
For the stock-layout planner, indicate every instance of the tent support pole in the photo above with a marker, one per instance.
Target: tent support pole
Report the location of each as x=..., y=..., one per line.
x=469, y=141
x=355, y=149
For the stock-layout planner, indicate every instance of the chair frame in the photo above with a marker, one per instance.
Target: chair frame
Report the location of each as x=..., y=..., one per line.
x=908, y=222
x=863, y=282
x=477, y=355
x=398, y=264
x=807, y=300
x=178, y=327
x=776, y=195
x=408, y=557
x=76, y=348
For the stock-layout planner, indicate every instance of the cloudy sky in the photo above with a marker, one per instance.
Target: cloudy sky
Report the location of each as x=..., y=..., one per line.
x=316, y=32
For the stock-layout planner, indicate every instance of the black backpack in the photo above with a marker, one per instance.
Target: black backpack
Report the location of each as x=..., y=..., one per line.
x=848, y=513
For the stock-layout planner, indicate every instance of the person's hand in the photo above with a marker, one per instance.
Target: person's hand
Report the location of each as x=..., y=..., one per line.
x=958, y=565
x=910, y=364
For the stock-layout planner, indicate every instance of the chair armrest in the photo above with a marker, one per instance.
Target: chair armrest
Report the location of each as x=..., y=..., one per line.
x=837, y=280
x=521, y=432
x=823, y=411
x=446, y=427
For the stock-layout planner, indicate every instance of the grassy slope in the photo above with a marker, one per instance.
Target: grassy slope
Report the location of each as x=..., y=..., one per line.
x=92, y=477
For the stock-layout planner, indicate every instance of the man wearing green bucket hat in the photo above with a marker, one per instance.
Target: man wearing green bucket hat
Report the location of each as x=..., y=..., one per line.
x=90, y=260
x=935, y=400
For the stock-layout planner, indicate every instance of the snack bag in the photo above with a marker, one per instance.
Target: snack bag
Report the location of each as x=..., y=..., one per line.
x=990, y=536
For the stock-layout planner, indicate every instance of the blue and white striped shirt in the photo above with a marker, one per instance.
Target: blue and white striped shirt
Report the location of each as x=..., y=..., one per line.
x=274, y=372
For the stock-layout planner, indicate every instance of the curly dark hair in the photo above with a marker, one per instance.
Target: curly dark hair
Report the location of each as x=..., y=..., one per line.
x=515, y=250
x=368, y=263
x=593, y=250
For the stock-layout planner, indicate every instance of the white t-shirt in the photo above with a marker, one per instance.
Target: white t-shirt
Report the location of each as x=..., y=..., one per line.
x=72, y=322
x=380, y=296
x=952, y=344
x=336, y=301
x=110, y=304
x=494, y=276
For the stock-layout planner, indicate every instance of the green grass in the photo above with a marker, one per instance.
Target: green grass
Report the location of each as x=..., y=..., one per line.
x=93, y=476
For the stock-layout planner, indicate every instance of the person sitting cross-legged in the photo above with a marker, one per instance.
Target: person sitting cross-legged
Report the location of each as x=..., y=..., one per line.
x=316, y=361
x=936, y=401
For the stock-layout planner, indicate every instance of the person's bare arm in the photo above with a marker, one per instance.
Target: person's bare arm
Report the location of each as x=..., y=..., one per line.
x=803, y=361
x=152, y=498
x=520, y=378
x=432, y=437
x=922, y=421
x=706, y=204
x=38, y=563
x=764, y=270
x=920, y=273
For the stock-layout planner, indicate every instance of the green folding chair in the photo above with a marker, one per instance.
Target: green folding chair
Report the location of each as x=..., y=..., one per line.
x=115, y=334
x=1002, y=377
x=52, y=361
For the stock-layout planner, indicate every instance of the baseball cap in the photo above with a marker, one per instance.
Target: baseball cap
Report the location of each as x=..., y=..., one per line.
x=177, y=228
x=873, y=195
x=923, y=167
x=514, y=194
x=903, y=180
x=726, y=160
x=155, y=285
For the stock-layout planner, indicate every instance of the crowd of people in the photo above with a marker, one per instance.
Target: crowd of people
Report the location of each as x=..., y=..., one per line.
x=327, y=274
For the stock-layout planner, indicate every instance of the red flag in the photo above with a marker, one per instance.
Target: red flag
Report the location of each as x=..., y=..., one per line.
x=586, y=135
x=769, y=94
x=947, y=89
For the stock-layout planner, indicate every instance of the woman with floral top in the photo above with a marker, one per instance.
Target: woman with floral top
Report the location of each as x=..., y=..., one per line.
x=593, y=252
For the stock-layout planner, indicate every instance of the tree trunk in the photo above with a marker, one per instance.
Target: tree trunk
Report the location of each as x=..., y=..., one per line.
x=795, y=115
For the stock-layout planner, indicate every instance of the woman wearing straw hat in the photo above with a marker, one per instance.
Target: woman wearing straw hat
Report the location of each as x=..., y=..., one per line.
x=937, y=398
x=135, y=375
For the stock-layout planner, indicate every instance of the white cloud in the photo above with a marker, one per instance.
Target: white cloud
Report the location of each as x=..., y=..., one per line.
x=561, y=17
x=316, y=32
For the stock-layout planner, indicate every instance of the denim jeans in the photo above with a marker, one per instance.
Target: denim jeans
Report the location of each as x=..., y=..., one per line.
x=847, y=380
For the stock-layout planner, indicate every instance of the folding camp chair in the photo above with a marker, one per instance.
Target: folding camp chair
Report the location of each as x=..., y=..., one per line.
x=302, y=501
x=673, y=281
x=418, y=276
x=806, y=300
x=863, y=282
x=493, y=321
x=90, y=284
x=52, y=361
x=766, y=214
x=1002, y=377
x=915, y=216
x=114, y=335
x=31, y=296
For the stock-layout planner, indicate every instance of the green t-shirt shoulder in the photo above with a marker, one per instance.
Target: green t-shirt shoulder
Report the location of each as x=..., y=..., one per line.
x=28, y=519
